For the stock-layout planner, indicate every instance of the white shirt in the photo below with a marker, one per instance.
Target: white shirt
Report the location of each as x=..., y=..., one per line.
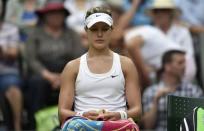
x=182, y=37
x=154, y=46
x=100, y=91
x=192, y=11
x=9, y=38
x=76, y=18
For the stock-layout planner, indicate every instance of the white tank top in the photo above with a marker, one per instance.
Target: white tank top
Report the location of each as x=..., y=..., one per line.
x=100, y=91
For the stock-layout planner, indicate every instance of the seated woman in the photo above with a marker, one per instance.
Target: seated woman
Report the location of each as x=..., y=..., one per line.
x=101, y=85
x=10, y=78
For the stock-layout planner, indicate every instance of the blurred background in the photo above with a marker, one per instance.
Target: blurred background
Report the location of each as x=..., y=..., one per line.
x=38, y=38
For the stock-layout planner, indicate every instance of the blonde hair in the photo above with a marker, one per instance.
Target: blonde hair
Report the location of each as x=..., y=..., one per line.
x=101, y=9
x=98, y=10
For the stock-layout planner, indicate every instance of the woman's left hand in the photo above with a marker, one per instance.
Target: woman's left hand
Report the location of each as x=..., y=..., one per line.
x=111, y=116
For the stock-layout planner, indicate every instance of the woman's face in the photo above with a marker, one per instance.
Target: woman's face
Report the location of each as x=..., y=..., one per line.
x=162, y=16
x=55, y=18
x=99, y=35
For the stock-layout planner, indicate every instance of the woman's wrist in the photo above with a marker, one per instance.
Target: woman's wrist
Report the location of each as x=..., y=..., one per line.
x=45, y=74
x=123, y=115
x=80, y=113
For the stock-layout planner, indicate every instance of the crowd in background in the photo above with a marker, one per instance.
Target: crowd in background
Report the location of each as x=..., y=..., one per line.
x=38, y=38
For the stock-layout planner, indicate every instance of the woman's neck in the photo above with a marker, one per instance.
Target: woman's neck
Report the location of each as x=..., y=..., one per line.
x=55, y=32
x=103, y=52
x=165, y=27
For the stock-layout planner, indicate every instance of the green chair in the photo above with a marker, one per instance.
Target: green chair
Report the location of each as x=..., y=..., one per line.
x=47, y=119
x=179, y=107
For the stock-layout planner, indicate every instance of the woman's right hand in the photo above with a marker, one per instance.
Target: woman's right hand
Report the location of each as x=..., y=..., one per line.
x=53, y=78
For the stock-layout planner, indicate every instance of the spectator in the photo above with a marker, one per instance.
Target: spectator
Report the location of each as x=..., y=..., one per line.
x=163, y=13
x=122, y=22
x=48, y=49
x=140, y=17
x=99, y=80
x=170, y=82
x=22, y=12
x=146, y=45
x=77, y=10
x=10, y=79
x=192, y=14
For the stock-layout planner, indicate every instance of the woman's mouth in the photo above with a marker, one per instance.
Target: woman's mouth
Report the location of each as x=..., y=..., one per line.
x=99, y=41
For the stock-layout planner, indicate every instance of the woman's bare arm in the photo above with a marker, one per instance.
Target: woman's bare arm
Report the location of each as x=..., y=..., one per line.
x=132, y=87
x=134, y=49
x=125, y=20
x=66, y=97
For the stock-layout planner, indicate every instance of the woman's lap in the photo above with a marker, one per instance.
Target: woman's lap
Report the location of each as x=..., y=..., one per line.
x=82, y=124
x=9, y=80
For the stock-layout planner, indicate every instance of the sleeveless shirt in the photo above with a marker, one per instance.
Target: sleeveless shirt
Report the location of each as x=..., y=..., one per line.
x=100, y=91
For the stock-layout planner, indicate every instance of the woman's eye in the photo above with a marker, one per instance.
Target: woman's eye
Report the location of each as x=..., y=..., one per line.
x=105, y=29
x=96, y=29
x=93, y=29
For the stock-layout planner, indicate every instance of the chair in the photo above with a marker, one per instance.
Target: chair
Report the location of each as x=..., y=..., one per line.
x=47, y=119
x=179, y=107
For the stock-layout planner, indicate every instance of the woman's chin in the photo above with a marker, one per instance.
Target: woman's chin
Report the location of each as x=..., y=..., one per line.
x=99, y=46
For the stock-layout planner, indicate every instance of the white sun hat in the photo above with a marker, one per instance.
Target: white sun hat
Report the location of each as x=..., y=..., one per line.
x=98, y=17
x=163, y=4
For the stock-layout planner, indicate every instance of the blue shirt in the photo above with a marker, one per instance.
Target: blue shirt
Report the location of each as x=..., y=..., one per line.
x=192, y=11
x=140, y=17
x=29, y=16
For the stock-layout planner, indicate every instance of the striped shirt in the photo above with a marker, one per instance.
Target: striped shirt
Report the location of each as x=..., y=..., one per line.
x=9, y=38
x=185, y=90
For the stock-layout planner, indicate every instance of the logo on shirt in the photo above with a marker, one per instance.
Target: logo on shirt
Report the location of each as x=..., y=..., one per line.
x=113, y=76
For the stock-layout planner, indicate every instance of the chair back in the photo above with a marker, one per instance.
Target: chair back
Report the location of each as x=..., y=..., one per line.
x=179, y=107
x=47, y=119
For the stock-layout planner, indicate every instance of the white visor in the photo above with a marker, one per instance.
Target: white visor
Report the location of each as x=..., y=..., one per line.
x=98, y=17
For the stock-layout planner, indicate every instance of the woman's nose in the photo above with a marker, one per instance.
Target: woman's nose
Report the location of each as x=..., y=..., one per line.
x=99, y=33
